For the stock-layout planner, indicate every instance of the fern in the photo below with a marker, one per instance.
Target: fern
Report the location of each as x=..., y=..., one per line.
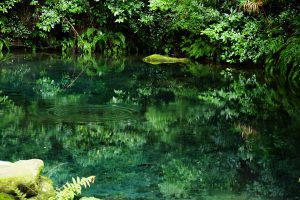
x=70, y=190
x=289, y=59
x=109, y=43
x=198, y=48
x=20, y=195
x=284, y=58
x=67, y=46
x=4, y=44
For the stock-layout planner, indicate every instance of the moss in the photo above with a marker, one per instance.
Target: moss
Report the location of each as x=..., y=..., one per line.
x=46, y=189
x=156, y=59
x=4, y=196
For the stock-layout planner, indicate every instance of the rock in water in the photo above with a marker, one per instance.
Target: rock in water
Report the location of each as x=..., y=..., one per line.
x=24, y=174
x=156, y=59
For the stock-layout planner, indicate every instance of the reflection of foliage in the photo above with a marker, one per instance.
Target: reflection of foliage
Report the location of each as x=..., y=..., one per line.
x=13, y=76
x=200, y=70
x=95, y=66
x=9, y=112
x=37, y=138
x=47, y=87
x=160, y=119
x=267, y=186
x=178, y=179
x=240, y=98
x=100, y=67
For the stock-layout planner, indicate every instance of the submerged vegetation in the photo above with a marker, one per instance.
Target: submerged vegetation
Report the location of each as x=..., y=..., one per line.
x=265, y=32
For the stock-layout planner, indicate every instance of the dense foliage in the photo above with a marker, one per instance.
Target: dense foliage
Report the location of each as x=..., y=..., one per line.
x=243, y=31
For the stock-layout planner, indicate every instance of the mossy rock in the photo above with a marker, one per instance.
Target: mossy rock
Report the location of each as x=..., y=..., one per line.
x=23, y=175
x=89, y=198
x=45, y=189
x=4, y=196
x=157, y=59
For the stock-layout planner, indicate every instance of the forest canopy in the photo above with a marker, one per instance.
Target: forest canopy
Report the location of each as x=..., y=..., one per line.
x=265, y=32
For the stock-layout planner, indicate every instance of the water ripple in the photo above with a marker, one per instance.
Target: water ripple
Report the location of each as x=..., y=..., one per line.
x=92, y=113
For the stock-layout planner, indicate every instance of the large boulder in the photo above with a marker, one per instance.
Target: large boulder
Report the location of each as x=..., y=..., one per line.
x=23, y=175
x=156, y=59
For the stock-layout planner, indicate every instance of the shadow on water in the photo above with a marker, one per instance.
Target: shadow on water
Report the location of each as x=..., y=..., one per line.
x=183, y=131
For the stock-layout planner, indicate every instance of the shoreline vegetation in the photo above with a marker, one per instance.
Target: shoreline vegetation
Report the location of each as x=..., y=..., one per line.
x=261, y=32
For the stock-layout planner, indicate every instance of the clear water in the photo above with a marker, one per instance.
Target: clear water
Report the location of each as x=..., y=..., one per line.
x=143, y=131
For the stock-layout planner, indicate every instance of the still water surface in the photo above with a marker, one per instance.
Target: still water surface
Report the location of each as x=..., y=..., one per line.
x=143, y=131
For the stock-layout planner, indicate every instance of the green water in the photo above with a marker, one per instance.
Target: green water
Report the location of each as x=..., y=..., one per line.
x=143, y=131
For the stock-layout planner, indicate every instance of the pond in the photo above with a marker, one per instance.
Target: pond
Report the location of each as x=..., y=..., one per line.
x=172, y=131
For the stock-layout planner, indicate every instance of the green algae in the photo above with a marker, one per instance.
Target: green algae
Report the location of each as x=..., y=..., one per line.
x=4, y=196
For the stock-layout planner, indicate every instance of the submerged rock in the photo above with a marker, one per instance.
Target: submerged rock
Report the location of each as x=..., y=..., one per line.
x=23, y=174
x=156, y=59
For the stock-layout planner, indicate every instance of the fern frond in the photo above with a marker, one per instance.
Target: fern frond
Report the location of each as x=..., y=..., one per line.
x=284, y=58
x=70, y=190
x=20, y=194
x=4, y=44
